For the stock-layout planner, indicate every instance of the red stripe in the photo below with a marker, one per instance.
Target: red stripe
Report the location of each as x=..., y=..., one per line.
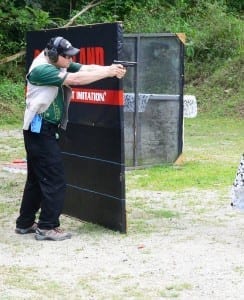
x=98, y=97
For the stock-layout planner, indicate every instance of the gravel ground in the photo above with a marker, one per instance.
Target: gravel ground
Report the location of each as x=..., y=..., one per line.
x=195, y=254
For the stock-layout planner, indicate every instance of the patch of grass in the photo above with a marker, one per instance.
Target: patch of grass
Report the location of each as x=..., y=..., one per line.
x=239, y=270
x=24, y=282
x=6, y=210
x=212, y=149
x=213, y=138
x=191, y=174
x=149, y=216
x=173, y=290
x=11, y=147
x=140, y=225
x=12, y=187
x=125, y=286
x=162, y=213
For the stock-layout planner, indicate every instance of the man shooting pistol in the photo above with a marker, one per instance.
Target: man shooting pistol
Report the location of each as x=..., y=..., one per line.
x=124, y=63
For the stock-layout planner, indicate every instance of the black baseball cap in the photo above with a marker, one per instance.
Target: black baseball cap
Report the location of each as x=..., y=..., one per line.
x=67, y=49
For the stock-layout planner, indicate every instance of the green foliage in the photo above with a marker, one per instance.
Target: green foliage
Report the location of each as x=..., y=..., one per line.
x=235, y=6
x=13, y=70
x=214, y=31
x=56, y=8
x=11, y=101
x=213, y=35
x=16, y=21
x=221, y=94
x=220, y=37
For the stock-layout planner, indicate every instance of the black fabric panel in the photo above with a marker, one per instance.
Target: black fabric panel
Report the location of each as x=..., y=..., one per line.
x=107, y=116
x=100, y=143
x=93, y=174
x=95, y=208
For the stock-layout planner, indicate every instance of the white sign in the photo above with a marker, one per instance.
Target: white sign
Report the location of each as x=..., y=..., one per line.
x=190, y=106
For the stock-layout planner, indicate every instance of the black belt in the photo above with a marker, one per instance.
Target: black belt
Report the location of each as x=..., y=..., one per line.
x=48, y=124
x=49, y=128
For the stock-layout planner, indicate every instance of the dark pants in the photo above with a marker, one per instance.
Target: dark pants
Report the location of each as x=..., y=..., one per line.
x=45, y=184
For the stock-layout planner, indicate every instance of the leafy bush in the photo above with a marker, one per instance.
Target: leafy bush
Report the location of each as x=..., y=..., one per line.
x=16, y=21
x=212, y=35
x=221, y=94
x=215, y=34
x=11, y=101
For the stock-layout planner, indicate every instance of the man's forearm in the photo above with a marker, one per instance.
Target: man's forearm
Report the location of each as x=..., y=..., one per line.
x=85, y=76
x=91, y=67
x=88, y=75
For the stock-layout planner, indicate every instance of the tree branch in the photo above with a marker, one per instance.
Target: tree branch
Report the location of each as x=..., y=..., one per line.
x=12, y=57
x=87, y=7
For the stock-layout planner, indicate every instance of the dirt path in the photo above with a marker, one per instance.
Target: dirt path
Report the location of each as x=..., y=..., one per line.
x=195, y=254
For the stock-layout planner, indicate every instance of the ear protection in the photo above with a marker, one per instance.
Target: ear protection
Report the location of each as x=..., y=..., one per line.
x=52, y=50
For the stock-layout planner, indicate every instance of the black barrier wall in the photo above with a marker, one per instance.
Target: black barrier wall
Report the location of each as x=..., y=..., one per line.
x=93, y=144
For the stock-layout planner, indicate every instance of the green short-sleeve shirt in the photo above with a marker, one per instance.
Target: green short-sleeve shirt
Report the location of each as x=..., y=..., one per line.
x=49, y=75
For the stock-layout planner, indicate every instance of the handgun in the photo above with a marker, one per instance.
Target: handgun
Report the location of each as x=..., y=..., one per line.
x=125, y=63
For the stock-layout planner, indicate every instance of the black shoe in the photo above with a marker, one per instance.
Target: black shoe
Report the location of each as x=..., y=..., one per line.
x=55, y=234
x=31, y=229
